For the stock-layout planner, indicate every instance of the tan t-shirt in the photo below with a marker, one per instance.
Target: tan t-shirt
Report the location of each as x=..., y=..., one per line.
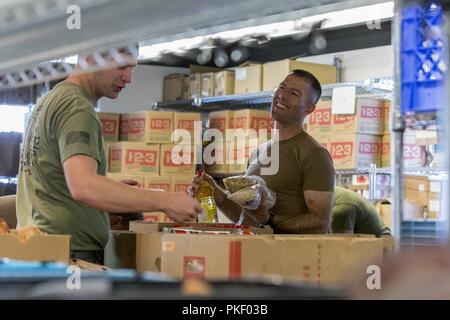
x=303, y=165
x=63, y=124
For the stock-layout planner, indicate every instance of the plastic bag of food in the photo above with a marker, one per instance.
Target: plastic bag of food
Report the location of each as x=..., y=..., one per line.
x=248, y=197
x=235, y=183
x=247, y=191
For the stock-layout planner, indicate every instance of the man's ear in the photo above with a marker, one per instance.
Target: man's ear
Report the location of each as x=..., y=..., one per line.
x=310, y=108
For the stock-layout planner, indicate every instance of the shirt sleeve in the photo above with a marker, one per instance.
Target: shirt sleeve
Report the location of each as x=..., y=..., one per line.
x=318, y=173
x=79, y=133
x=344, y=218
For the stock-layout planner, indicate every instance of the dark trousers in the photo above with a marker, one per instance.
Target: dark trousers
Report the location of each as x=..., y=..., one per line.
x=92, y=256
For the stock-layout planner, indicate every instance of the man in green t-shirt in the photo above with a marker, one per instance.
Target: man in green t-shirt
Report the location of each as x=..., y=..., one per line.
x=352, y=213
x=304, y=181
x=62, y=188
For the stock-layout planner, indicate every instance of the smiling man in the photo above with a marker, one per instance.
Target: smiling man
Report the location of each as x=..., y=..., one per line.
x=304, y=182
x=62, y=188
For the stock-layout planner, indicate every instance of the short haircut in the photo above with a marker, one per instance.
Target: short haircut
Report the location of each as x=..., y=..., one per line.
x=316, y=88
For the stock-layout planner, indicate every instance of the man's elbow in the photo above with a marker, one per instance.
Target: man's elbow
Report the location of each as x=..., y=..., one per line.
x=82, y=194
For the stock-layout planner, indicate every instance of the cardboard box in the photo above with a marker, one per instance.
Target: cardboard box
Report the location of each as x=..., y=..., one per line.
x=208, y=84
x=221, y=120
x=143, y=227
x=130, y=250
x=253, y=119
x=323, y=139
x=368, y=118
x=187, y=88
x=110, y=125
x=424, y=190
x=416, y=196
x=178, y=163
x=351, y=151
x=412, y=210
x=124, y=125
x=156, y=217
x=181, y=183
x=320, y=120
x=151, y=126
x=434, y=208
x=148, y=252
x=120, y=251
x=413, y=155
x=224, y=83
x=160, y=183
x=174, y=87
x=121, y=177
x=248, y=78
x=186, y=121
x=134, y=157
x=275, y=72
x=329, y=260
x=54, y=248
x=387, y=117
x=195, y=85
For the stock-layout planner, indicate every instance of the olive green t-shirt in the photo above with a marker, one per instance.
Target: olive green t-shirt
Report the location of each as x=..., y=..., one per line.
x=63, y=124
x=303, y=165
x=353, y=213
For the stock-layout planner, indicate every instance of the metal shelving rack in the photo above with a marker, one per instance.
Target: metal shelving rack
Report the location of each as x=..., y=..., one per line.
x=375, y=87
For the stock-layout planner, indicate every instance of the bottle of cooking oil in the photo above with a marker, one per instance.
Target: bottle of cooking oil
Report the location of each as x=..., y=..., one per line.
x=205, y=196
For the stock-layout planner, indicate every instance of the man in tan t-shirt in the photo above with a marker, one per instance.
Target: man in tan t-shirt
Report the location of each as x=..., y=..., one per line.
x=62, y=188
x=304, y=182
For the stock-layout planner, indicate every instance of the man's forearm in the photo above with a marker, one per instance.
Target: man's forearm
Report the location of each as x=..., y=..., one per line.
x=302, y=223
x=107, y=195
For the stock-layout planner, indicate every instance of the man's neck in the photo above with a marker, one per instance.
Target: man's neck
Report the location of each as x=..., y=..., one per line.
x=287, y=131
x=83, y=82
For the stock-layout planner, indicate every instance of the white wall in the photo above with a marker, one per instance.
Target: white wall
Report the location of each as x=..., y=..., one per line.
x=145, y=88
x=360, y=64
x=147, y=84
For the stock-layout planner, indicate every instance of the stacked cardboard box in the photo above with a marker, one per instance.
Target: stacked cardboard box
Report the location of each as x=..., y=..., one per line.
x=151, y=157
x=150, y=126
x=275, y=72
x=248, y=78
x=353, y=140
x=413, y=154
x=174, y=87
x=425, y=191
x=110, y=125
x=224, y=83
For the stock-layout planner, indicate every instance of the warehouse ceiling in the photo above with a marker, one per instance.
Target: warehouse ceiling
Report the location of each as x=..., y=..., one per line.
x=265, y=49
x=34, y=31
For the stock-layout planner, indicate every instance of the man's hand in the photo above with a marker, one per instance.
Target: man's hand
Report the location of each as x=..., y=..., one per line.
x=181, y=207
x=195, y=183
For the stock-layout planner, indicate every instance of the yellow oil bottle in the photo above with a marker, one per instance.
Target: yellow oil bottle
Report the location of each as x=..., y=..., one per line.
x=205, y=196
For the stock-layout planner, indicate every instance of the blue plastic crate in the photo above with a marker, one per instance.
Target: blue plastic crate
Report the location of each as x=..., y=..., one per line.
x=424, y=62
